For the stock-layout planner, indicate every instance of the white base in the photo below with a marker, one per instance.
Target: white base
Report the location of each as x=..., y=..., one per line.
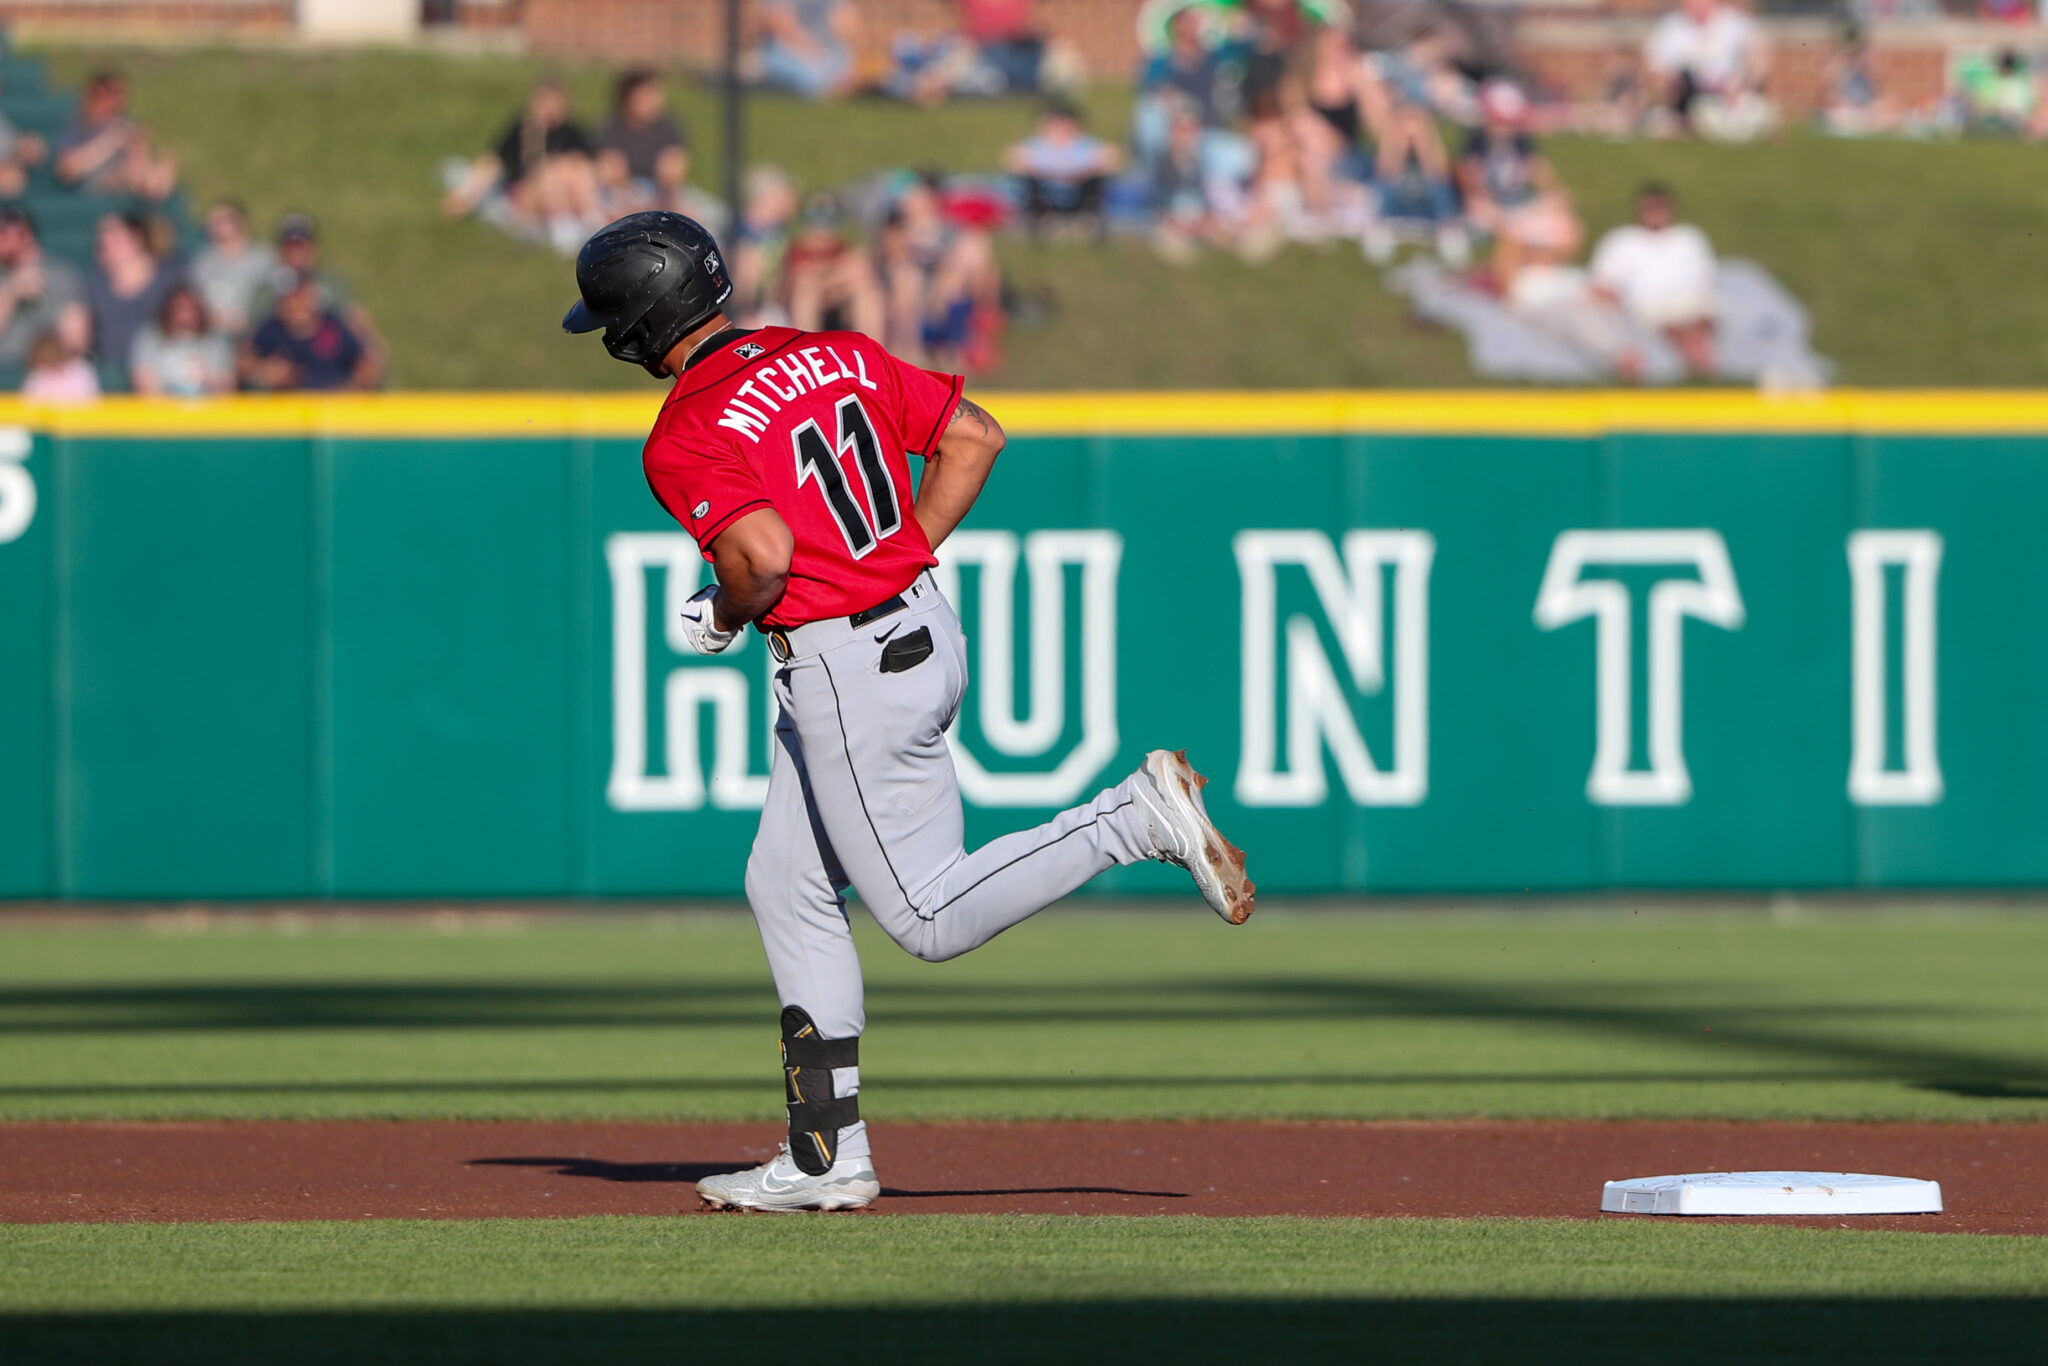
x=1772, y=1193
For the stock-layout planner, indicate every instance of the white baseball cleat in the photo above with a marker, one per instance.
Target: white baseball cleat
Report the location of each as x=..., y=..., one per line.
x=1169, y=791
x=780, y=1185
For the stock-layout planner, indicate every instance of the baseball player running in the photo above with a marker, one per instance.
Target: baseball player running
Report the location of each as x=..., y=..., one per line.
x=786, y=456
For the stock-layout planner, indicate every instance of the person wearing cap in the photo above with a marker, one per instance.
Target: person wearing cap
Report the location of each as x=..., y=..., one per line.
x=1512, y=193
x=299, y=257
x=38, y=293
x=305, y=344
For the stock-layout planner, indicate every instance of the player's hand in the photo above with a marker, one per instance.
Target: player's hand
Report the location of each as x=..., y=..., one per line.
x=700, y=624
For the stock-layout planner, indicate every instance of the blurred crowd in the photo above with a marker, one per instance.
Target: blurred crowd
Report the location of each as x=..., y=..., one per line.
x=1253, y=124
x=119, y=302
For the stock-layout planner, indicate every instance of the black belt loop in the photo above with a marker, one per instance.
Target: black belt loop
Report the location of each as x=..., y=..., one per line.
x=877, y=612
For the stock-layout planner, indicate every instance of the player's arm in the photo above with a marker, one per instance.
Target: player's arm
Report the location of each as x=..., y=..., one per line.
x=751, y=560
x=955, y=472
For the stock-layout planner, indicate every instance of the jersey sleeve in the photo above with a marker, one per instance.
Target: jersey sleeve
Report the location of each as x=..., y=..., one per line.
x=705, y=487
x=925, y=400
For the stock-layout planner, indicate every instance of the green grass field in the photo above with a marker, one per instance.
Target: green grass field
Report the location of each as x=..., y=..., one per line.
x=953, y=1289
x=1605, y=1013
x=1920, y=262
x=1091, y=1012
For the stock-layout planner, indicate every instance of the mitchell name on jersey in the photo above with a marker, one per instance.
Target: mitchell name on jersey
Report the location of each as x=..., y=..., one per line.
x=785, y=380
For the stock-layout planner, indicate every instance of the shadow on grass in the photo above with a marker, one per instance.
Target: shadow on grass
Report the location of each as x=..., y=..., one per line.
x=1183, y=1332
x=1989, y=1089
x=1795, y=1041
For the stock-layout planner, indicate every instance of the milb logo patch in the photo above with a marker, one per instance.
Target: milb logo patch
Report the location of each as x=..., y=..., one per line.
x=749, y=350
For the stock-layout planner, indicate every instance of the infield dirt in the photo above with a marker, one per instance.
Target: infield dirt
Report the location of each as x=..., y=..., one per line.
x=1994, y=1177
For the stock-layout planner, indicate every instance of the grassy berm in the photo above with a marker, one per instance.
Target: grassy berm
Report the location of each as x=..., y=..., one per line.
x=1921, y=263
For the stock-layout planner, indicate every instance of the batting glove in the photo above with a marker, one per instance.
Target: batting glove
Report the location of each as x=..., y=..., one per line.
x=700, y=627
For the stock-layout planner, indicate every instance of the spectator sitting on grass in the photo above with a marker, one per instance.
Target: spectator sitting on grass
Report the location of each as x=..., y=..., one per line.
x=1291, y=176
x=1345, y=96
x=1424, y=72
x=1706, y=61
x=997, y=50
x=1660, y=273
x=807, y=46
x=1198, y=186
x=127, y=287
x=1856, y=106
x=1062, y=169
x=827, y=283
x=643, y=158
x=107, y=153
x=19, y=154
x=1190, y=71
x=762, y=243
x=936, y=276
x=1511, y=191
x=2003, y=98
x=1276, y=35
x=233, y=269
x=57, y=373
x=305, y=344
x=180, y=354
x=38, y=293
x=542, y=161
x=1412, y=186
x=1014, y=56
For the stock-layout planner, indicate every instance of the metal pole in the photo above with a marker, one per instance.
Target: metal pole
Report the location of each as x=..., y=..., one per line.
x=735, y=128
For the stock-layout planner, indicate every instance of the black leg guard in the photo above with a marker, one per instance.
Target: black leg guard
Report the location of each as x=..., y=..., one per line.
x=815, y=1115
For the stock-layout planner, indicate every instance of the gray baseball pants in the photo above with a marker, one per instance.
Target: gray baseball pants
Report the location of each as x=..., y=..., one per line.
x=861, y=792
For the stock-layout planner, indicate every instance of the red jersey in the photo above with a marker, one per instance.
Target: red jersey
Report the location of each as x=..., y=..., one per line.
x=819, y=426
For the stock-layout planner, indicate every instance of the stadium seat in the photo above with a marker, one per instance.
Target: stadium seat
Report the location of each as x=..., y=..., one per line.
x=49, y=113
x=22, y=76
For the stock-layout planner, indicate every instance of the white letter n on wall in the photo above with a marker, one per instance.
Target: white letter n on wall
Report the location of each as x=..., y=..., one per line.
x=1318, y=712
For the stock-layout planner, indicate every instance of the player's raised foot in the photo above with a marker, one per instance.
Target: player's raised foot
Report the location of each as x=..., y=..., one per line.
x=781, y=1186
x=1169, y=792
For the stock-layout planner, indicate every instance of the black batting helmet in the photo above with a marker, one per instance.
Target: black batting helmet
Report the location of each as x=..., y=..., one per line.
x=647, y=280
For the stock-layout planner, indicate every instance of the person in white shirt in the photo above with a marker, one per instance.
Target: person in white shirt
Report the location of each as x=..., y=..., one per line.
x=1660, y=273
x=1706, y=62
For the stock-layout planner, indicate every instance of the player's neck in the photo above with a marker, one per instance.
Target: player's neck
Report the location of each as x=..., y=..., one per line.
x=683, y=352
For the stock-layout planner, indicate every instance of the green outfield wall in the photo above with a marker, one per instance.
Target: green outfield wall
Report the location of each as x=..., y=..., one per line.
x=421, y=646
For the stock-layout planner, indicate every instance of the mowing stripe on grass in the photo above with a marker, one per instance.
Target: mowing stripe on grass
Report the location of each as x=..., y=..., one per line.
x=955, y=1289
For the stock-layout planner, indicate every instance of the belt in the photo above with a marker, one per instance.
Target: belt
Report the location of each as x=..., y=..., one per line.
x=816, y=637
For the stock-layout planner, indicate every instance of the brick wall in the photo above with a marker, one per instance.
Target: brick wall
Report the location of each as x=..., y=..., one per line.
x=1911, y=66
x=147, y=18
x=692, y=31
